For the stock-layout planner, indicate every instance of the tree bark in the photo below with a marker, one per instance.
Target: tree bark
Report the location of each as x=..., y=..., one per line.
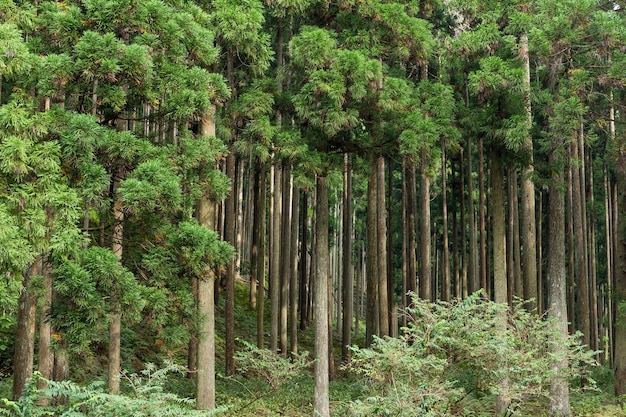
x=500, y=291
x=348, y=270
x=229, y=236
x=293, y=277
x=381, y=258
x=557, y=308
x=321, y=395
x=285, y=269
x=445, y=260
x=46, y=355
x=258, y=249
x=275, y=253
x=482, y=248
x=372, y=321
x=24, y=354
x=527, y=188
x=582, y=282
x=425, y=264
x=206, y=211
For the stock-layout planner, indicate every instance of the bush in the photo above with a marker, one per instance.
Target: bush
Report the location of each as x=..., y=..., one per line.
x=453, y=353
x=145, y=398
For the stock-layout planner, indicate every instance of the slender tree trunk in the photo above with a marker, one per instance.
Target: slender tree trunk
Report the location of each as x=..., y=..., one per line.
x=484, y=283
x=392, y=314
x=229, y=236
x=275, y=263
x=348, y=270
x=24, y=354
x=303, y=297
x=381, y=258
x=591, y=251
x=582, y=282
x=285, y=270
x=258, y=250
x=321, y=394
x=206, y=212
x=372, y=321
x=571, y=263
x=293, y=277
x=46, y=355
x=473, y=277
x=192, y=349
x=411, y=230
x=517, y=247
x=425, y=264
x=527, y=219
x=557, y=308
x=445, y=260
x=500, y=290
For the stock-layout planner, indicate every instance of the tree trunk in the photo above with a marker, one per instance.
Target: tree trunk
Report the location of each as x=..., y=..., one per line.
x=348, y=270
x=381, y=258
x=285, y=269
x=293, y=280
x=582, y=282
x=527, y=219
x=425, y=265
x=275, y=254
x=304, y=287
x=484, y=283
x=411, y=230
x=206, y=212
x=258, y=250
x=229, y=236
x=321, y=395
x=372, y=321
x=473, y=278
x=445, y=259
x=557, y=308
x=46, y=355
x=24, y=355
x=500, y=290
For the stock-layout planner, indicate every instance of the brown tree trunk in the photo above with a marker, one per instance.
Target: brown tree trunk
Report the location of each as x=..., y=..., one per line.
x=557, y=308
x=348, y=271
x=304, y=287
x=275, y=254
x=473, y=277
x=582, y=282
x=484, y=283
x=206, y=212
x=293, y=280
x=229, y=236
x=500, y=290
x=381, y=258
x=258, y=249
x=445, y=260
x=46, y=355
x=372, y=320
x=527, y=188
x=24, y=354
x=321, y=374
x=285, y=269
x=425, y=264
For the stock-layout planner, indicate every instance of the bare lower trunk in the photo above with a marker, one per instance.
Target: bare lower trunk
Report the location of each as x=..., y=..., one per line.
x=258, y=250
x=499, y=265
x=275, y=254
x=23, y=357
x=348, y=271
x=425, y=265
x=381, y=225
x=372, y=322
x=321, y=395
x=229, y=236
x=293, y=278
x=445, y=256
x=285, y=269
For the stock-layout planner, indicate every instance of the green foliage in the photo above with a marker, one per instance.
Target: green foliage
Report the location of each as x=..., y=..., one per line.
x=273, y=368
x=146, y=397
x=451, y=351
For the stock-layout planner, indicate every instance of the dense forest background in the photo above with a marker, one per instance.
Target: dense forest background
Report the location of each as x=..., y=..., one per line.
x=368, y=180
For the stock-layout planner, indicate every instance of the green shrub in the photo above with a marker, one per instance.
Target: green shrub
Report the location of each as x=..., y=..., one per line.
x=452, y=354
x=145, y=398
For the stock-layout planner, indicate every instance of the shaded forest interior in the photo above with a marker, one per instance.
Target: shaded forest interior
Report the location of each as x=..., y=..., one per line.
x=332, y=158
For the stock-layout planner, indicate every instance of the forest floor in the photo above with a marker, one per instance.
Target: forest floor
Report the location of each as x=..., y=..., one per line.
x=247, y=395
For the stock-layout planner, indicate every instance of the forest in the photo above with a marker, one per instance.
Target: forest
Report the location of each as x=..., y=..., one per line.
x=312, y=207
